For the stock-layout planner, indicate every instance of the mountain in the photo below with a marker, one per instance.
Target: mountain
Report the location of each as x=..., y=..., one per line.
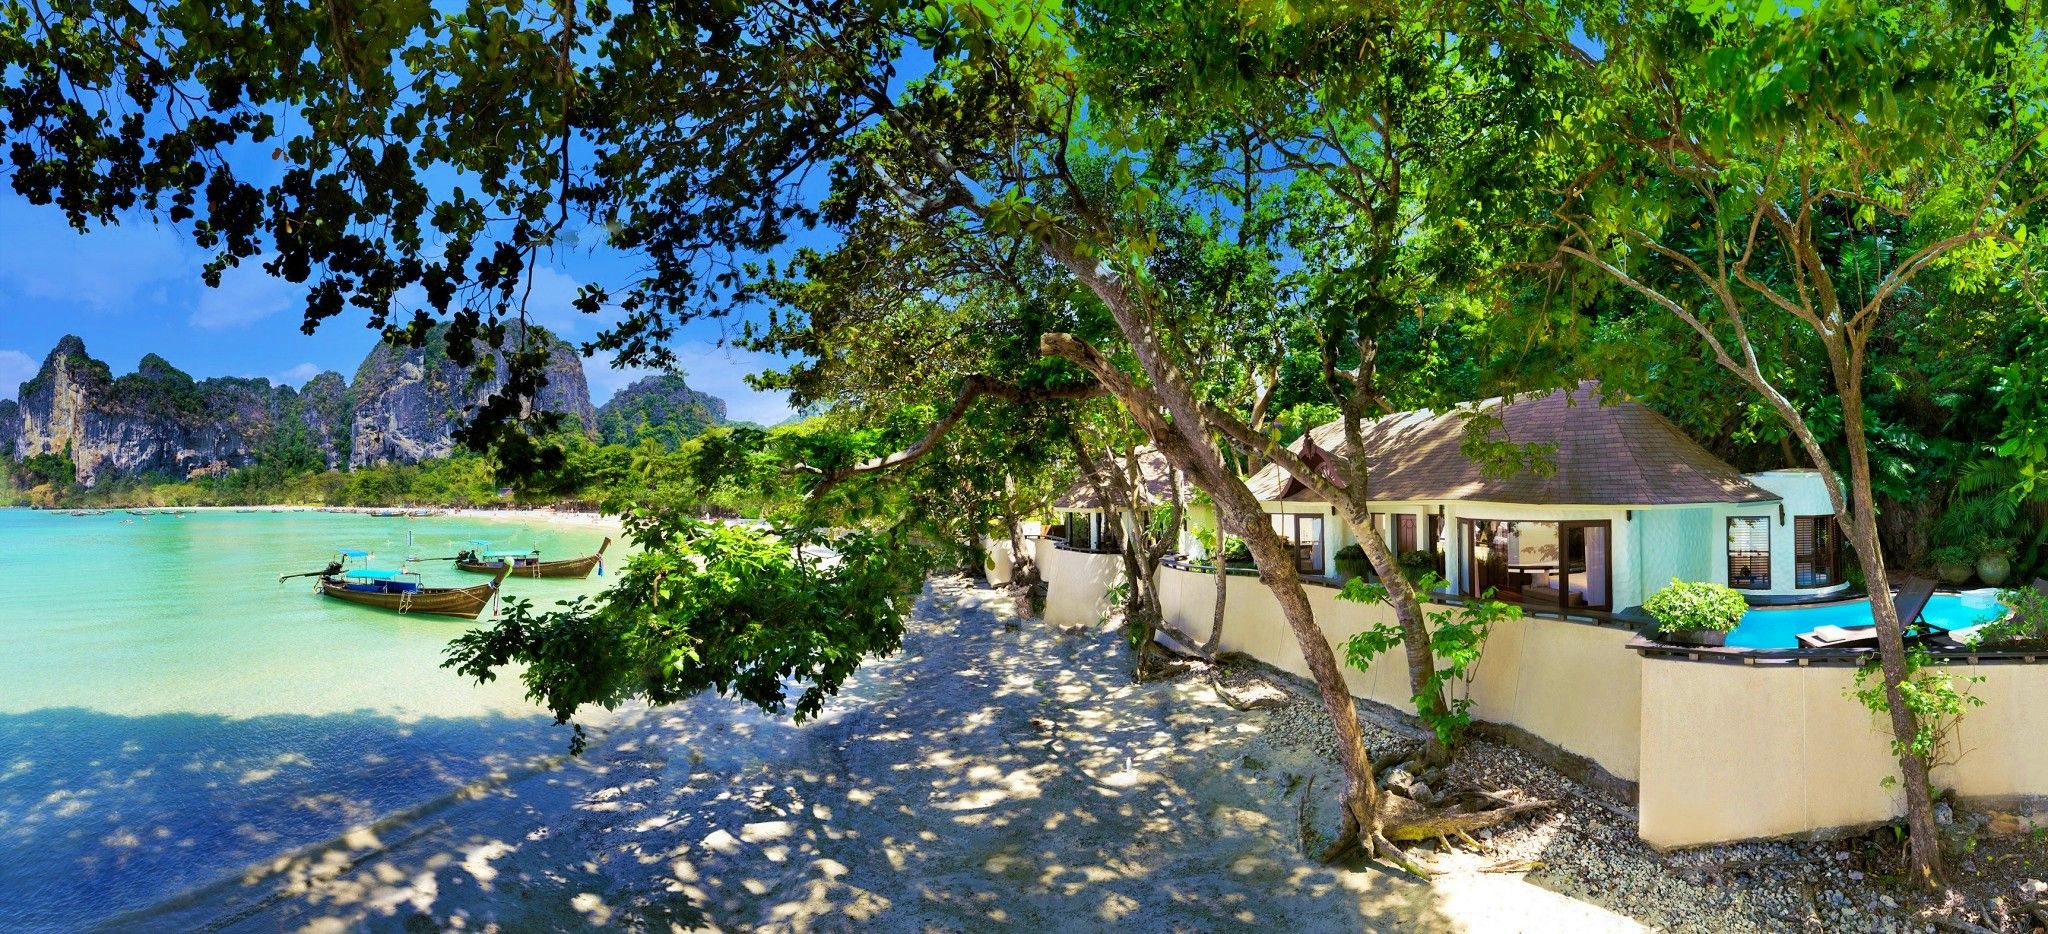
x=156, y=419
x=404, y=407
x=409, y=401
x=662, y=407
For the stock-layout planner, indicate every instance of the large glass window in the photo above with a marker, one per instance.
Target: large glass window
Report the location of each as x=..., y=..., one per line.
x=1304, y=533
x=1546, y=564
x=1749, y=552
x=1817, y=551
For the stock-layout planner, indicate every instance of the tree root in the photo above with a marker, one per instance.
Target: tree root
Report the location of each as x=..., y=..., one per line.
x=1405, y=820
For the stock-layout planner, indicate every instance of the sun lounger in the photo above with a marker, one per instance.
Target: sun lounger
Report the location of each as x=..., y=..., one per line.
x=1910, y=601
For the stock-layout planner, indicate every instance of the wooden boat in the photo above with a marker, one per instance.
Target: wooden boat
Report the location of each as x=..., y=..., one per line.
x=528, y=563
x=400, y=590
x=389, y=514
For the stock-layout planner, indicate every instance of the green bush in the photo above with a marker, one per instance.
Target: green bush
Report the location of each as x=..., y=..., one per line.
x=1237, y=553
x=2026, y=623
x=1351, y=552
x=1416, y=563
x=1690, y=605
x=1952, y=554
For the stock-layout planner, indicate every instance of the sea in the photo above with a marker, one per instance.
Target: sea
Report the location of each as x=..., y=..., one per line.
x=170, y=713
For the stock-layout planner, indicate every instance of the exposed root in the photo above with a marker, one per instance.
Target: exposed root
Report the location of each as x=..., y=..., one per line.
x=1386, y=850
x=1405, y=820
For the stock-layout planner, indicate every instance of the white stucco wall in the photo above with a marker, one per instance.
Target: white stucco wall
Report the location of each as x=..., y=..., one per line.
x=1075, y=584
x=1572, y=684
x=1733, y=752
x=1001, y=564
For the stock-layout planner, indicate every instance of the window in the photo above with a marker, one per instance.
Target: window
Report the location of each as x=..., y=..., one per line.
x=1561, y=565
x=1304, y=533
x=1749, y=552
x=1076, y=530
x=1816, y=550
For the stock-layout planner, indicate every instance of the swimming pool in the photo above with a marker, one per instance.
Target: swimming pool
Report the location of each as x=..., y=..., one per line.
x=1779, y=627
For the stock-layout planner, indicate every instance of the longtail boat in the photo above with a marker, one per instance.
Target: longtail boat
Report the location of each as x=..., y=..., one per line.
x=399, y=590
x=528, y=563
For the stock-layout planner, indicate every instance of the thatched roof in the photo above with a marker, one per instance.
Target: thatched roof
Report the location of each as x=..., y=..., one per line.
x=1612, y=454
x=1153, y=486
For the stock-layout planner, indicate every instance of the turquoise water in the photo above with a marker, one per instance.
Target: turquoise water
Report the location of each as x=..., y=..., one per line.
x=170, y=713
x=1779, y=628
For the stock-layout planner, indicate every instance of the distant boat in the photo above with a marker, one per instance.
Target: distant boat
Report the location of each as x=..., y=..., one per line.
x=389, y=514
x=141, y=512
x=528, y=563
x=399, y=589
x=245, y=510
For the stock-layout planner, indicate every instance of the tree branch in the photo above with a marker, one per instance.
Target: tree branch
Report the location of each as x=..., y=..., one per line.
x=971, y=390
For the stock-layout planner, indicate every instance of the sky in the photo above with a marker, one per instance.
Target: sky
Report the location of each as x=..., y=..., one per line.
x=136, y=289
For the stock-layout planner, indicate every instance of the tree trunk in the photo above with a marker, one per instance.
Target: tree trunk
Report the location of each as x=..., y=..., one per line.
x=1360, y=798
x=1222, y=573
x=1407, y=605
x=1923, y=840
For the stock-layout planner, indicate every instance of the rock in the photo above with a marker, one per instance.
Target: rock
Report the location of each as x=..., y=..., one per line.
x=1420, y=791
x=410, y=400
x=662, y=407
x=1887, y=901
x=157, y=419
x=2004, y=824
x=2033, y=889
x=1855, y=876
x=1944, y=814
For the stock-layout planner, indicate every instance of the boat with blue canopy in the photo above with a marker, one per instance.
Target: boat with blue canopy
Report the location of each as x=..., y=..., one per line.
x=479, y=559
x=398, y=589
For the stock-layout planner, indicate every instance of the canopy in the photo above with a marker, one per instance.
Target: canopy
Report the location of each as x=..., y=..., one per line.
x=354, y=553
x=375, y=574
x=507, y=554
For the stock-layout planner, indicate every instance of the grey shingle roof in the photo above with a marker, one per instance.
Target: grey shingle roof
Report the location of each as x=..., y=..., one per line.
x=1153, y=486
x=1614, y=454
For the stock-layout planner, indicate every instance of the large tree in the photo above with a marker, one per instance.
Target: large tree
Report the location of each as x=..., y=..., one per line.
x=1778, y=186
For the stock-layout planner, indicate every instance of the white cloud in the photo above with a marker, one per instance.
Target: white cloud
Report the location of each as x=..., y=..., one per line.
x=247, y=294
x=720, y=371
x=15, y=368
x=297, y=376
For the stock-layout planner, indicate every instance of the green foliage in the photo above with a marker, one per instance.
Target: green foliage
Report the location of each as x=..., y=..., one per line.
x=54, y=469
x=1417, y=565
x=1935, y=697
x=1457, y=640
x=745, y=613
x=1696, y=605
x=2025, y=622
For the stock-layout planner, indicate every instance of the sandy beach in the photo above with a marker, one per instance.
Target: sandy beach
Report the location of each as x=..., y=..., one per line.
x=994, y=773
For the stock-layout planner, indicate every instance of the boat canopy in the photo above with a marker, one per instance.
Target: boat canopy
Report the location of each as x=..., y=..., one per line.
x=354, y=553
x=375, y=574
x=476, y=541
x=506, y=554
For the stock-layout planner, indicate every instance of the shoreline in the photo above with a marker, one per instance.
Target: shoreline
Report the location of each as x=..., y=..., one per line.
x=547, y=514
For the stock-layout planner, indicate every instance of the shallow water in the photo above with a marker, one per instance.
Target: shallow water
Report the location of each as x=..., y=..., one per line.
x=1780, y=628
x=170, y=713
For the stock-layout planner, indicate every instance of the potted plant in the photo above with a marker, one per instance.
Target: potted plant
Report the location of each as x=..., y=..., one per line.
x=1696, y=612
x=1994, y=560
x=1953, y=563
x=1351, y=562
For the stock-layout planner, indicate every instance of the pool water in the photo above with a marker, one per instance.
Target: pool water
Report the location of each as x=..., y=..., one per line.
x=1779, y=628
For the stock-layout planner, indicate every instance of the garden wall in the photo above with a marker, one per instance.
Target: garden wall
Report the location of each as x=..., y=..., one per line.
x=1733, y=752
x=1075, y=582
x=1001, y=567
x=1572, y=684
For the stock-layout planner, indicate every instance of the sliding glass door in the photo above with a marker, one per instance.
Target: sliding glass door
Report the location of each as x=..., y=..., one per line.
x=1561, y=565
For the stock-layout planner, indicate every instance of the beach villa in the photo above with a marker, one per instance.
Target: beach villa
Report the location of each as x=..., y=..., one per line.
x=1756, y=739
x=1622, y=503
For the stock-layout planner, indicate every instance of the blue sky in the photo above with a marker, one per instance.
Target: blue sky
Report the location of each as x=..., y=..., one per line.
x=136, y=289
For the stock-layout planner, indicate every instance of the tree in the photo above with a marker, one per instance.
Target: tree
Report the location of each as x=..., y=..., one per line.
x=1778, y=185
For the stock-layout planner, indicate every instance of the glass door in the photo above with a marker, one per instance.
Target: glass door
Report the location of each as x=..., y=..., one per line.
x=1585, y=566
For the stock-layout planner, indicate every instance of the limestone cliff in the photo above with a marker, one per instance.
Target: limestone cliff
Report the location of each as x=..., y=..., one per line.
x=154, y=420
x=409, y=401
x=10, y=426
x=662, y=407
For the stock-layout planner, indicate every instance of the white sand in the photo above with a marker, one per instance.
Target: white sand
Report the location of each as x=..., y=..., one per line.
x=992, y=774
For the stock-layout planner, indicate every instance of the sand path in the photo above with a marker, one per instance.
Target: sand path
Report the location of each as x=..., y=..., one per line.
x=994, y=774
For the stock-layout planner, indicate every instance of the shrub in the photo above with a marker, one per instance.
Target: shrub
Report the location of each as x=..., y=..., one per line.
x=1237, y=553
x=1689, y=605
x=1351, y=552
x=2026, y=623
x=1952, y=554
x=1415, y=563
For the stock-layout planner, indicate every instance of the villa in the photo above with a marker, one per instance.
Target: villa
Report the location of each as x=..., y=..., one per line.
x=1709, y=744
x=1626, y=502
